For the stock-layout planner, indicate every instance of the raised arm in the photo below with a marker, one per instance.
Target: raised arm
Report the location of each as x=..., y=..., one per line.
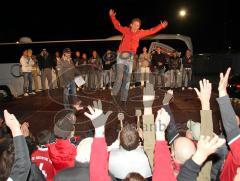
x=22, y=163
x=163, y=169
x=229, y=117
x=153, y=30
x=115, y=22
x=172, y=132
x=148, y=122
x=206, y=114
x=99, y=154
x=206, y=121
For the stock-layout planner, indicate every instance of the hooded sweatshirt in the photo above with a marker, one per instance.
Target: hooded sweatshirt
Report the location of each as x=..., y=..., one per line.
x=62, y=154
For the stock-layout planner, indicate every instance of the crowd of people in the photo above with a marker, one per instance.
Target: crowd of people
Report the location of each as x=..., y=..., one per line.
x=99, y=72
x=153, y=151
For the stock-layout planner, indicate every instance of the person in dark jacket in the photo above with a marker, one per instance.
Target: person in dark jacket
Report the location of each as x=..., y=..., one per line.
x=95, y=77
x=56, y=60
x=187, y=69
x=174, y=69
x=67, y=74
x=83, y=68
x=15, y=162
x=109, y=59
x=158, y=63
x=45, y=65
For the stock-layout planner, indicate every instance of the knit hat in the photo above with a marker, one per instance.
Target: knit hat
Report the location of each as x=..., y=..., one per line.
x=195, y=128
x=67, y=50
x=84, y=150
x=65, y=126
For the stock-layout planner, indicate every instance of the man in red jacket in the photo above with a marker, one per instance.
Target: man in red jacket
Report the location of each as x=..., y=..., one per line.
x=127, y=50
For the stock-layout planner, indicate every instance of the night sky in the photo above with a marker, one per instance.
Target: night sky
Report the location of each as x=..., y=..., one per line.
x=211, y=24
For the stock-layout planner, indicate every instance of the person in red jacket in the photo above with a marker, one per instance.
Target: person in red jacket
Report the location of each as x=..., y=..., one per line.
x=127, y=51
x=231, y=128
x=41, y=157
x=63, y=152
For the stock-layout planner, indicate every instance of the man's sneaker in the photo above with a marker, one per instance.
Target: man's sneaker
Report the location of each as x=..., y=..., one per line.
x=25, y=94
x=38, y=90
x=104, y=88
x=110, y=88
x=32, y=93
x=183, y=88
x=189, y=88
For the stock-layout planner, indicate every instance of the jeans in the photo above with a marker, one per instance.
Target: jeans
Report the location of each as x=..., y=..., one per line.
x=27, y=82
x=46, y=74
x=161, y=73
x=69, y=92
x=107, y=77
x=187, y=74
x=124, y=71
x=174, y=75
x=145, y=72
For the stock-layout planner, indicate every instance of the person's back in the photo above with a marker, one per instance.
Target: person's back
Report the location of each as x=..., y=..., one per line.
x=62, y=153
x=80, y=171
x=130, y=157
x=41, y=158
x=122, y=162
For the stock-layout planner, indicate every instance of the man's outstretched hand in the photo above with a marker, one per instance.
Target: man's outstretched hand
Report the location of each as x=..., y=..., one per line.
x=112, y=12
x=164, y=24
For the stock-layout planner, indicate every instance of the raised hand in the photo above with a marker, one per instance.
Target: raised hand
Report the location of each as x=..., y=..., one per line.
x=164, y=24
x=207, y=146
x=148, y=95
x=112, y=12
x=222, y=86
x=161, y=122
x=96, y=115
x=205, y=93
x=12, y=123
